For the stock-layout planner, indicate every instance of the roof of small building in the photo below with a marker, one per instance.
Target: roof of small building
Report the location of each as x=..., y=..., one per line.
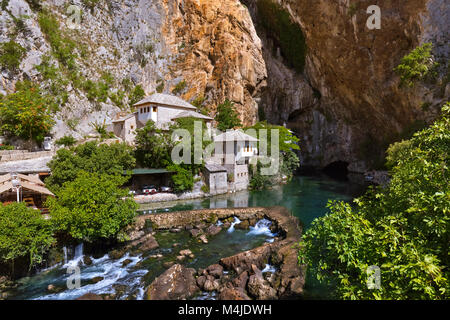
x=122, y=119
x=139, y=171
x=27, y=182
x=166, y=99
x=215, y=168
x=235, y=135
x=191, y=114
x=38, y=165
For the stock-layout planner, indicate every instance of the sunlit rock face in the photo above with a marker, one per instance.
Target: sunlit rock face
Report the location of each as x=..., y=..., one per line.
x=335, y=87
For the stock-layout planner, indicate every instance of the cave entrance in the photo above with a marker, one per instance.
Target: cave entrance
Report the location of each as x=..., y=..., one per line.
x=337, y=169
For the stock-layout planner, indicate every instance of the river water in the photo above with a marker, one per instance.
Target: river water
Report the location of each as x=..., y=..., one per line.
x=126, y=278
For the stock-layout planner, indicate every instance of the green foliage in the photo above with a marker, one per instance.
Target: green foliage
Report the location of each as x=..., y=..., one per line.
x=259, y=181
x=287, y=140
x=63, y=48
x=152, y=146
x=402, y=228
x=23, y=233
x=66, y=141
x=352, y=8
x=179, y=88
x=286, y=33
x=227, y=117
x=205, y=188
x=136, y=95
x=111, y=159
x=182, y=179
x=26, y=113
x=198, y=103
x=6, y=147
x=416, y=65
x=11, y=55
x=290, y=163
x=92, y=207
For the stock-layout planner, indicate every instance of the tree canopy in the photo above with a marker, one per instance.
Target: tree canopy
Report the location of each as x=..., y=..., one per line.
x=111, y=159
x=26, y=113
x=227, y=117
x=92, y=207
x=402, y=228
x=23, y=233
x=153, y=146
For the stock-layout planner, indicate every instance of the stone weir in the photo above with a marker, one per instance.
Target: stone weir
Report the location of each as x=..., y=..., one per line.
x=238, y=277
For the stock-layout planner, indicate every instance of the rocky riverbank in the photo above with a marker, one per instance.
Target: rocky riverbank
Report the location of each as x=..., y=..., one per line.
x=239, y=277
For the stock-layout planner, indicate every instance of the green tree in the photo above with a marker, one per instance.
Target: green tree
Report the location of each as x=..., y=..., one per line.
x=111, y=159
x=152, y=146
x=402, y=228
x=416, y=65
x=287, y=141
x=136, y=95
x=227, y=117
x=66, y=141
x=26, y=113
x=92, y=207
x=183, y=179
x=23, y=233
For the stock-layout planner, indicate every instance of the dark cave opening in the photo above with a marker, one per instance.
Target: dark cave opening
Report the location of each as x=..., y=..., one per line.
x=337, y=169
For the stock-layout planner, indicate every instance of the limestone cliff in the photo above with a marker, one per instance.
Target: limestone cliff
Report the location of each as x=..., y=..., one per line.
x=330, y=78
x=347, y=104
x=200, y=48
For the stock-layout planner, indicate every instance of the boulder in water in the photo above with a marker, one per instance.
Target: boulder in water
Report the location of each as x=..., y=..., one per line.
x=243, y=225
x=233, y=294
x=196, y=232
x=90, y=296
x=215, y=270
x=212, y=230
x=203, y=239
x=176, y=283
x=97, y=279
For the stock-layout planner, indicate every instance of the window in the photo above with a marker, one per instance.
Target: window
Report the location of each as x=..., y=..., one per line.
x=154, y=109
x=132, y=127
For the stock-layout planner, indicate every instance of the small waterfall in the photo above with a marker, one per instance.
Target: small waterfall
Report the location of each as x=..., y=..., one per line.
x=78, y=251
x=262, y=227
x=269, y=268
x=235, y=222
x=219, y=223
x=65, y=254
x=77, y=258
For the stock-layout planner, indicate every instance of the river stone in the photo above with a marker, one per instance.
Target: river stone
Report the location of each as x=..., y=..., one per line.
x=195, y=232
x=126, y=262
x=185, y=252
x=97, y=279
x=117, y=253
x=212, y=230
x=211, y=284
x=243, y=225
x=90, y=296
x=87, y=260
x=201, y=281
x=233, y=294
x=203, y=239
x=176, y=283
x=260, y=288
x=215, y=270
x=149, y=243
x=241, y=280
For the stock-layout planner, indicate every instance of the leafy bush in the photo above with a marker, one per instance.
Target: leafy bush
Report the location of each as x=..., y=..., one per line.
x=92, y=207
x=227, y=117
x=182, y=179
x=179, y=88
x=26, y=113
x=136, y=95
x=23, y=233
x=286, y=33
x=416, y=65
x=63, y=48
x=66, y=141
x=259, y=181
x=153, y=147
x=11, y=55
x=6, y=147
x=111, y=159
x=402, y=228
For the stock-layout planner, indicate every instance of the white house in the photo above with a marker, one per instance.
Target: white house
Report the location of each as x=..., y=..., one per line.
x=163, y=109
x=234, y=150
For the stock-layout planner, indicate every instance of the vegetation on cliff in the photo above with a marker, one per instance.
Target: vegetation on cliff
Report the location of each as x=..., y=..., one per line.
x=227, y=117
x=402, y=228
x=284, y=31
x=26, y=113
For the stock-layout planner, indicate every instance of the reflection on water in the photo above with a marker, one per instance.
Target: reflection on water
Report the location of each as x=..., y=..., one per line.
x=305, y=196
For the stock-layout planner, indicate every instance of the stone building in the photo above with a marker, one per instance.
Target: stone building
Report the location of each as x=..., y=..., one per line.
x=216, y=178
x=161, y=108
x=234, y=150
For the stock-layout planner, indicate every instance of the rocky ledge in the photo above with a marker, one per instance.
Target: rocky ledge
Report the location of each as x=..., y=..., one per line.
x=238, y=277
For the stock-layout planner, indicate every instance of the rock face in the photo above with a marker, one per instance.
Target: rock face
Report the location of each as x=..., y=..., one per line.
x=347, y=105
x=210, y=45
x=176, y=283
